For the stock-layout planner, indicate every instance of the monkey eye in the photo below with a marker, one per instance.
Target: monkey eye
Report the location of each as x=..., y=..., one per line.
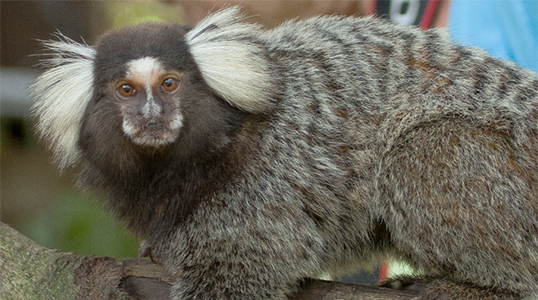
x=126, y=90
x=170, y=84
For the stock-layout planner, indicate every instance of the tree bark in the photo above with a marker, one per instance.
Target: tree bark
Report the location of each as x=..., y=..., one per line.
x=29, y=271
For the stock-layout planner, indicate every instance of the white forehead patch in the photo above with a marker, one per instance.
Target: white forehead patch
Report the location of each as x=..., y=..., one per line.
x=144, y=70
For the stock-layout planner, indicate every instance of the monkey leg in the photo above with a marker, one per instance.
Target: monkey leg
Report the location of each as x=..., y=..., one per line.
x=242, y=253
x=461, y=203
x=147, y=249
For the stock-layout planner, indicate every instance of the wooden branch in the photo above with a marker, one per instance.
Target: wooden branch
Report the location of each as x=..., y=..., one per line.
x=29, y=271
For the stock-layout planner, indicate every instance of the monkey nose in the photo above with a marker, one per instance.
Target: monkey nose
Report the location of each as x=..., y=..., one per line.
x=152, y=124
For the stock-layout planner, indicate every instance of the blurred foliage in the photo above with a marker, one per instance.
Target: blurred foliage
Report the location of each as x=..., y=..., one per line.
x=134, y=12
x=76, y=223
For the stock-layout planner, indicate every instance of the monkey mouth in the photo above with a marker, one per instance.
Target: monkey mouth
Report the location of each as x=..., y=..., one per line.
x=154, y=139
x=152, y=133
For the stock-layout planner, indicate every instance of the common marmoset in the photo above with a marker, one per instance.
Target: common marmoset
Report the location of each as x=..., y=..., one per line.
x=251, y=158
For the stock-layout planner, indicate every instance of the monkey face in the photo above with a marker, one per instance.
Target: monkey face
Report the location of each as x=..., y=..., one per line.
x=149, y=102
x=145, y=82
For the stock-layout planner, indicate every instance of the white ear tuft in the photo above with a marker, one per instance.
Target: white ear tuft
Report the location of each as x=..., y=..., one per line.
x=61, y=94
x=231, y=61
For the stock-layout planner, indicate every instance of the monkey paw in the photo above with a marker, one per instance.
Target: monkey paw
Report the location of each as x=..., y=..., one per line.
x=148, y=250
x=405, y=283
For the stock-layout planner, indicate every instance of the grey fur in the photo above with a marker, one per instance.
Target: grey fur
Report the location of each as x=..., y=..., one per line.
x=379, y=140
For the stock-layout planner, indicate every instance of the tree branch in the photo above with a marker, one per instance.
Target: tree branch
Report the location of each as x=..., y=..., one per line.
x=29, y=271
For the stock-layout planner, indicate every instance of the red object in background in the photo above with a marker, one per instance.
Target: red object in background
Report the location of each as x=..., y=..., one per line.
x=383, y=271
x=429, y=14
x=427, y=10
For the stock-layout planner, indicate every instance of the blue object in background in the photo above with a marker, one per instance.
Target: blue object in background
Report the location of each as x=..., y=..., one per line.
x=507, y=29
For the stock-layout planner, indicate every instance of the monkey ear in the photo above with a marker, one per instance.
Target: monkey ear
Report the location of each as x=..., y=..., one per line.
x=62, y=93
x=231, y=61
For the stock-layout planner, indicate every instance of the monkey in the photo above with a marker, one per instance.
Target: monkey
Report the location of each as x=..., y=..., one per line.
x=250, y=158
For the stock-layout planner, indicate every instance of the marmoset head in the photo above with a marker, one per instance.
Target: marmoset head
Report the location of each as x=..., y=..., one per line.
x=151, y=85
